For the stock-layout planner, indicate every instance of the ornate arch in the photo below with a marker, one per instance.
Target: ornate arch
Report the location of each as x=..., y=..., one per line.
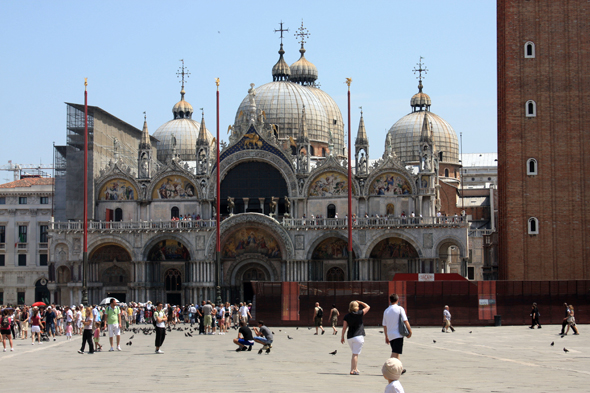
x=104, y=240
x=172, y=169
x=114, y=172
x=453, y=241
x=316, y=242
x=167, y=236
x=386, y=169
x=233, y=223
x=392, y=233
x=276, y=162
x=240, y=265
x=329, y=165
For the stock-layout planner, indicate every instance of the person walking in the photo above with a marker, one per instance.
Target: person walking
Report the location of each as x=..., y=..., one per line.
x=5, y=323
x=87, y=331
x=160, y=318
x=571, y=321
x=24, y=322
x=318, y=316
x=447, y=321
x=535, y=317
x=50, y=322
x=36, y=324
x=206, y=309
x=353, y=322
x=334, y=314
x=564, y=322
x=113, y=313
x=391, y=318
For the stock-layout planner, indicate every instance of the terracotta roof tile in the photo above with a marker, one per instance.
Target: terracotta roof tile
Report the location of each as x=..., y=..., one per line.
x=28, y=182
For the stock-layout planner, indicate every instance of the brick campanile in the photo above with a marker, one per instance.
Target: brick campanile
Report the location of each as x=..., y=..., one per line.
x=544, y=139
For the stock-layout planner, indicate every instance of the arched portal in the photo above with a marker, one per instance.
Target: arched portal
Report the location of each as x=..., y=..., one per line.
x=41, y=291
x=245, y=181
x=107, y=266
x=335, y=274
x=394, y=255
x=252, y=270
x=173, y=285
x=449, y=258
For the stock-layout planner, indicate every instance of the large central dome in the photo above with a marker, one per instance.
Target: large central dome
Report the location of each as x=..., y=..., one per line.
x=283, y=100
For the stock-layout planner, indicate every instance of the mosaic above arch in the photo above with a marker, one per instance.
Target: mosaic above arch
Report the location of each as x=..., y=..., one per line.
x=169, y=250
x=331, y=248
x=329, y=184
x=174, y=187
x=390, y=183
x=118, y=190
x=109, y=253
x=393, y=247
x=250, y=240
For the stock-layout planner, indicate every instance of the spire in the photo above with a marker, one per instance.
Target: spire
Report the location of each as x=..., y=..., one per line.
x=420, y=100
x=361, y=136
x=303, y=71
x=182, y=109
x=303, y=127
x=426, y=133
x=281, y=70
x=181, y=74
x=202, y=140
x=145, y=135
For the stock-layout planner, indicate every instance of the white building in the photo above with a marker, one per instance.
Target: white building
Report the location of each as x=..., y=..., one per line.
x=25, y=214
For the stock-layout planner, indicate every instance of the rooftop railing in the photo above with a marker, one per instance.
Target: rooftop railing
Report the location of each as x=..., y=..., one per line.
x=122, y=226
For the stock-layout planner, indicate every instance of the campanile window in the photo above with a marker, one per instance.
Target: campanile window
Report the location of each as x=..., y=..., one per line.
x=529, y=50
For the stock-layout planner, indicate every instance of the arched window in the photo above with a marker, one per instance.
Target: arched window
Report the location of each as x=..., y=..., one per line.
x=174, y=213
x=533, y=226
x=312, y=150
x=531, y=167
x=118, y=214
x=446, y=172
x=531, y=108
x=331, y=211
x=529, y=50
x=173, y=280
x=440, y=156
x=335, y=274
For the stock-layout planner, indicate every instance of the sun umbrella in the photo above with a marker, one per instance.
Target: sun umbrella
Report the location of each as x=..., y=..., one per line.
x=107, y=300
x=38, y=304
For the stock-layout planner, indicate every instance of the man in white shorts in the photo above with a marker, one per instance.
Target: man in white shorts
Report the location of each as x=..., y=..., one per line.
x=113, y=313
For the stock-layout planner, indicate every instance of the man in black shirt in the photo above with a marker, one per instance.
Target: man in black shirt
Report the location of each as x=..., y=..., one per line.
x=245, y=338
x=50, y=319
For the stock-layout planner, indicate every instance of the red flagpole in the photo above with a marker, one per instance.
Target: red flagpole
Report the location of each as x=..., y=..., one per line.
x=218, y=215
x=348, y=81
x=85, y=220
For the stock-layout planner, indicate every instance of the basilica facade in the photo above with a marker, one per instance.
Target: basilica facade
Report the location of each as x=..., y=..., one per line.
x=283, y=197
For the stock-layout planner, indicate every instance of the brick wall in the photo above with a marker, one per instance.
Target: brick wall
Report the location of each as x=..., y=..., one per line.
x=557, y=79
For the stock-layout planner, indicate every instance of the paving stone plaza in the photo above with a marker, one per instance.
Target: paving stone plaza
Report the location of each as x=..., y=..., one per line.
x=490, y=359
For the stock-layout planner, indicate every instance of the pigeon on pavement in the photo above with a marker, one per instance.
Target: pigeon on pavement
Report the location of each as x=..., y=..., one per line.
x=333, y=353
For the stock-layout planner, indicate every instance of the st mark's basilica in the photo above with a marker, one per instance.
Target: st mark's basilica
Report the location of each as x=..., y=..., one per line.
x=284, y=198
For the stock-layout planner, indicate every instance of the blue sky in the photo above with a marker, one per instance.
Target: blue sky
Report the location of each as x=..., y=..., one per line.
x=130, y=52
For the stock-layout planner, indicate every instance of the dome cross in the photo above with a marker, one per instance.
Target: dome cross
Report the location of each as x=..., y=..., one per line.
x=420, y=70
x=281, y=30
x=302, y=33
x=182, y=73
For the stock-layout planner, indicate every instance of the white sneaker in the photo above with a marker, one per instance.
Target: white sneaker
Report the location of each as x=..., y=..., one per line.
x=4, y=350
x=159, y=351
x=118, y=348
x=33, y=343
x=111, y=350
x=40, y=343
x=11, y=349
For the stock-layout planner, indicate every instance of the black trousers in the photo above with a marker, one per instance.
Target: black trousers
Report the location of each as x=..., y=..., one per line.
x=160, y=336
x=563, y=325
x=535, y=321
x=87, y=338
x=201, y=326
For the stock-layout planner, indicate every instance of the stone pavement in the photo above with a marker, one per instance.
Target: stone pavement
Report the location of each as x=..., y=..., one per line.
x=490, y=359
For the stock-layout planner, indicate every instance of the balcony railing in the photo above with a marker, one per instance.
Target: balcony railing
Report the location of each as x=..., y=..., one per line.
x=42, y=246
x=480, y=232
x=2, y=246
x=374, y=222
x=21, y=246
x=121, y=226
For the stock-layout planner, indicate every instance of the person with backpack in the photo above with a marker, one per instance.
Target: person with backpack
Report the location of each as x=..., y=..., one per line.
x=5, y=323
x=318, y=315
x=113, y=318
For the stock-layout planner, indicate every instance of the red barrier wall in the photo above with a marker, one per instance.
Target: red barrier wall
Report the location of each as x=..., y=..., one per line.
x=470, y=302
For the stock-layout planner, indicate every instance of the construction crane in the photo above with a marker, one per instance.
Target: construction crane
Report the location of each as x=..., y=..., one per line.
x=21, y=171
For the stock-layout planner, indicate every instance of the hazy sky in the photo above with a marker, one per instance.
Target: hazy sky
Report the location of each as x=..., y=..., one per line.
x=130, y=52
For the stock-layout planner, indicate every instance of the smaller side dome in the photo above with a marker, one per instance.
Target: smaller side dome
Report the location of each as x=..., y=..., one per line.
x=182, y=109
x=281, y=70
x=303, y=71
